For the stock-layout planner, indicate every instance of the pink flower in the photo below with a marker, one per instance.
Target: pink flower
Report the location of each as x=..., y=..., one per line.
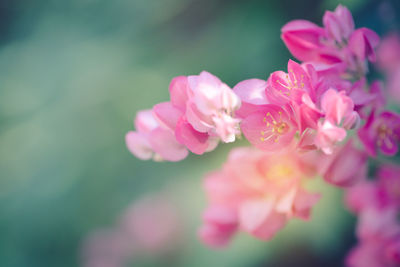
x=201, y=112
x=153, y=140
x=345, y=167
x=270, y=128
x=338, y=44
x=381, y=132
x=211, y=106
x=256, y=192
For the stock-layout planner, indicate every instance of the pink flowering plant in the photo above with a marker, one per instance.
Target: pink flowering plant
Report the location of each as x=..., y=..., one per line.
x=320, y=117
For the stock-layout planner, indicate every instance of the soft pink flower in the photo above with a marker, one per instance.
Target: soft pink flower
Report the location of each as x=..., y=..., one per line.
x=381, y=131
x=256, y=192
x=153, y=140
x=270, y=128
x=211, y=107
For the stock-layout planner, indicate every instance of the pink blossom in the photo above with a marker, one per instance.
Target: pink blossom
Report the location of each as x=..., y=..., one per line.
x=338, y=44
x=153, y=140
x=381, y=131
x=211, y=106
x=270, y=128
x=201, y=112
x=256, y=192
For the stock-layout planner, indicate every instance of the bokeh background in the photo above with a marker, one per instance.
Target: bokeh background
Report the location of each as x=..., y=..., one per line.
x=72, y=76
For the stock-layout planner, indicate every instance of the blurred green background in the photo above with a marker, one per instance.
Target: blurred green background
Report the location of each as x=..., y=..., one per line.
x=72, y=76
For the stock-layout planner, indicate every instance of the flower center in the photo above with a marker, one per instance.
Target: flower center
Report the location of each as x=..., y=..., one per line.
x=275, y=128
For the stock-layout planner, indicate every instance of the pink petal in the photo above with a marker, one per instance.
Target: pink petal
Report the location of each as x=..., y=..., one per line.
x=195, y=141
x=178, y=92
x=164, y=143
x=138, y=145
x=167, y=114
x=259, y=219
x=145, y=121
x=303, y=203
x=252, y=91
x=302, y=38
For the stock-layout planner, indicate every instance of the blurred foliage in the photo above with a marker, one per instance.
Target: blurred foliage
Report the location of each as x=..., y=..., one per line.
x=72, y=76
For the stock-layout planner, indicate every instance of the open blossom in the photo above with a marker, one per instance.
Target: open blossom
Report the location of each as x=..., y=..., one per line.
x=211, y=106
x=270, y=128
x=337, y=44
x=256, y=192
x=198, y=115
x=381, y=132
x=295, y=102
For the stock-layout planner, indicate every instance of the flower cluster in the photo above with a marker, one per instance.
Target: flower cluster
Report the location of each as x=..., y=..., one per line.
x=299, y=123
x=377, y=205
x=199, y=114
